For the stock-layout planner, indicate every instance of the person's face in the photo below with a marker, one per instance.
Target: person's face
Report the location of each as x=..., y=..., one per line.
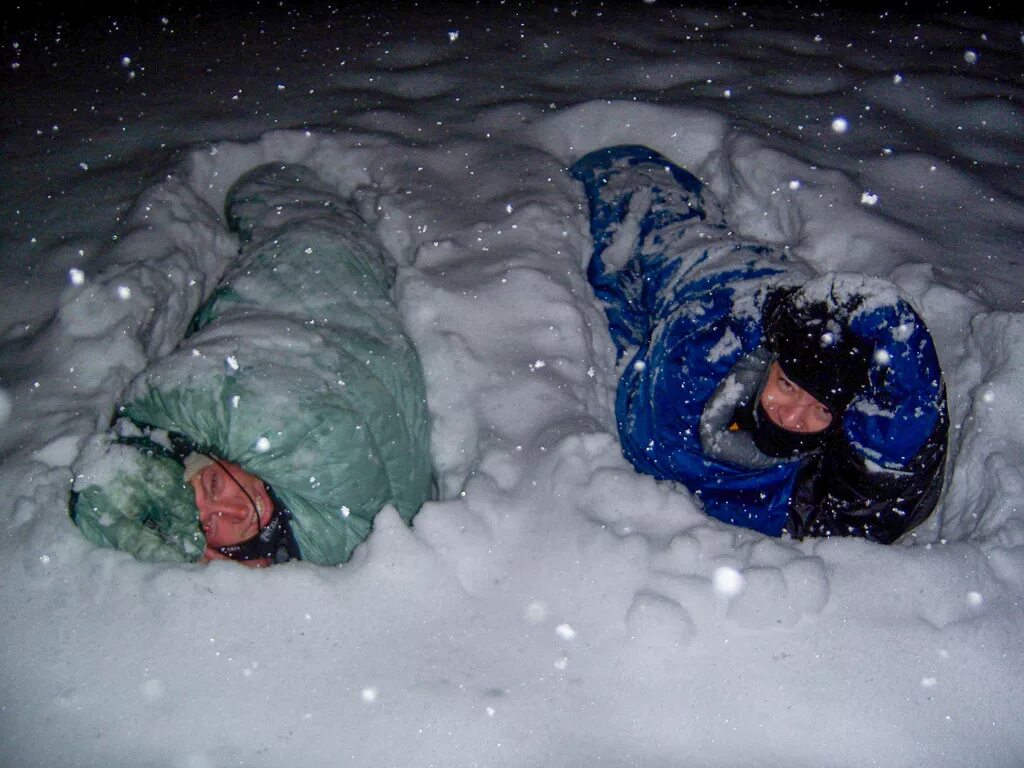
x=792, y=407
x=233, y=504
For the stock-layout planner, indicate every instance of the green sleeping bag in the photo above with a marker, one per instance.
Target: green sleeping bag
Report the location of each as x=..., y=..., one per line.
x=297, y=369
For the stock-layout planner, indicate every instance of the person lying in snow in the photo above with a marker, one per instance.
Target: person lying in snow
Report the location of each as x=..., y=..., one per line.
x=785, y=402
x=291, y=413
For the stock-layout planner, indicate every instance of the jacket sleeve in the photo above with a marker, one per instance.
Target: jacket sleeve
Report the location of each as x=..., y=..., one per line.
x=128, y=533
x=841, y=494
x=882, y=473
x=129, y=499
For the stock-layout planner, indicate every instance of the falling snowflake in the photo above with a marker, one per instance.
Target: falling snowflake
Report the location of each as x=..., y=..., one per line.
x=152, y=689
x=565, y=632
x=728, y=581
x=535, y=612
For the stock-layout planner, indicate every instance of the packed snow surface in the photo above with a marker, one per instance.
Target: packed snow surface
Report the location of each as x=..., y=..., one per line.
x=553, y=607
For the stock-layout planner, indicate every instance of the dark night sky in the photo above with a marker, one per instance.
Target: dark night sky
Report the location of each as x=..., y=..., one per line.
x=23, y=14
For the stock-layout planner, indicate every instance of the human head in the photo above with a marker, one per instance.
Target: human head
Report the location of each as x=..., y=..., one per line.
x=233, y=504
x=807, y=329
x=790, y=406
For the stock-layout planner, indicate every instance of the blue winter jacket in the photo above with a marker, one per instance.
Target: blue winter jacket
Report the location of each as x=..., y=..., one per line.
x=684, y=299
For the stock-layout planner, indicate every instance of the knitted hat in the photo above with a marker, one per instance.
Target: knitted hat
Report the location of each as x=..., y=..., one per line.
x=808, y=330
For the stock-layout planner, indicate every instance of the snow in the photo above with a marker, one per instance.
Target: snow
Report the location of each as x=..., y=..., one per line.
x=553, y=607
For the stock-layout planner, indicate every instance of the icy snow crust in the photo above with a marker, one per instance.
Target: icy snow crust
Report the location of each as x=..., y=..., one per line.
x=555, y=607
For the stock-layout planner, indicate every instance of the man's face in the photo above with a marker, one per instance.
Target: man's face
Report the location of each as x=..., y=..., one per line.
x=791, y=407
x=233, y=504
